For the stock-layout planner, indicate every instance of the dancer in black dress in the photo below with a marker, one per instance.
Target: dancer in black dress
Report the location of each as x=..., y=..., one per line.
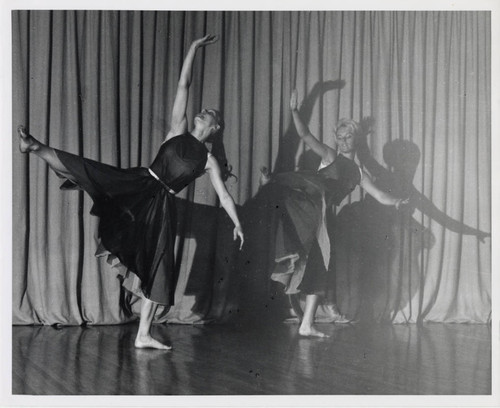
x=302, y=249
x=136, y=206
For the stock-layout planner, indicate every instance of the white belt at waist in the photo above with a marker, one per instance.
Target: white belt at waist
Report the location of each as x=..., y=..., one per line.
x=162, y=183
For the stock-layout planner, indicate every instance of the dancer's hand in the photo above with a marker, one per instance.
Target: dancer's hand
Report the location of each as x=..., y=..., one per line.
x=202, y=42
x=401, y=202
x=265, y=176
x=238, y=232
x=294, y=100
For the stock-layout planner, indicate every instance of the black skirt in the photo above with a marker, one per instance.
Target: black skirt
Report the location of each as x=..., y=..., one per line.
x=137, y=221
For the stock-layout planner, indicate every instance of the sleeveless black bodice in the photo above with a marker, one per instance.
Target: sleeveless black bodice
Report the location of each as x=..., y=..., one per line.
x=341, y=177
x=179, y=161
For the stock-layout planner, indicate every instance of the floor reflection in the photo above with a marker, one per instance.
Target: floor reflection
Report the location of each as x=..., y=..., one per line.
x=241, y=360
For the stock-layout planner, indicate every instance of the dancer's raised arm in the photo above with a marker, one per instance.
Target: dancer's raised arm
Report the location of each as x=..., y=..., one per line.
x=178, y=121
x=326, y=153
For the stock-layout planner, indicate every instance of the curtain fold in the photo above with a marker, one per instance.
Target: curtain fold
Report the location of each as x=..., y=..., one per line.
x=101, y=84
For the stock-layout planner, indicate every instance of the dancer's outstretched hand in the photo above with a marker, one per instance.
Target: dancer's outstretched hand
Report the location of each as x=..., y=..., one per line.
x=208, y=39
x=238, y=232
x=401, y=202
x=294, y=100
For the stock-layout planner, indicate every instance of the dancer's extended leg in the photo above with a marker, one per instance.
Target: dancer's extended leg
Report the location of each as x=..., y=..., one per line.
x=144, y=339
x=306, y=326
x=28, y=144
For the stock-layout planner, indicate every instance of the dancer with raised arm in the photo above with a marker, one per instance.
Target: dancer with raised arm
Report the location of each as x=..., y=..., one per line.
x=302, y=248
x=136, y=206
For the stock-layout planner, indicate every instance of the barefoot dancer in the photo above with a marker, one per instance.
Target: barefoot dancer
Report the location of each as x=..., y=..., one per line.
x=302, y=244
x=136, y=206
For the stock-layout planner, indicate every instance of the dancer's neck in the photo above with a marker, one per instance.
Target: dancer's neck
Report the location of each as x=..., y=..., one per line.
x=201, y=135
x=349, y=155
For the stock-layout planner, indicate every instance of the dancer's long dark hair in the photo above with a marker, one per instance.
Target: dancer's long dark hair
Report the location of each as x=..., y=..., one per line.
x=217, y=149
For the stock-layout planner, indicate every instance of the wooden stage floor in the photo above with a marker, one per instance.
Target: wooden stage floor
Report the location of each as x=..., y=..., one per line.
x=433, y=359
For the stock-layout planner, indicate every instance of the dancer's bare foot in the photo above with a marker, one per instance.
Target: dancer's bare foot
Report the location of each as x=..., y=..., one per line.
x=149, y=342
x=27, y=143
x=335, y=315
x=311, y=332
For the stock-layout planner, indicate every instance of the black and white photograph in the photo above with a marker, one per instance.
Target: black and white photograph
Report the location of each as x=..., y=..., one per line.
x=259, y=207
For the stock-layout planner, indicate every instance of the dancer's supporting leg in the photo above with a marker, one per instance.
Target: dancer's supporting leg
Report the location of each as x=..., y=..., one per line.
x=144, y=339
x=306, y=326
x=28, y=144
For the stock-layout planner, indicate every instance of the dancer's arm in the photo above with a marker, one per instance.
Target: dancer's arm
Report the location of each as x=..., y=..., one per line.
x=298, y=154
x=225, y=198
x=178, y=121
x=381, y=196
x=326, y=153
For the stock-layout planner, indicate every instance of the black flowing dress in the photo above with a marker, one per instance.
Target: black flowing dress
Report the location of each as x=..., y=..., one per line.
x=302, y=245
x=136, y=209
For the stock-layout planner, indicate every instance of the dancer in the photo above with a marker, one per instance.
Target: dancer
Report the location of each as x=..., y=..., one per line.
x=136, y=206
x=302, y=248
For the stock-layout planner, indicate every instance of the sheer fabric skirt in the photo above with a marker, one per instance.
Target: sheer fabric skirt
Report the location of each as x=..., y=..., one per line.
x=137, y=222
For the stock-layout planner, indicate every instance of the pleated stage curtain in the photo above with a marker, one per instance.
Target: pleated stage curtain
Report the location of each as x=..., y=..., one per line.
x=101, y=84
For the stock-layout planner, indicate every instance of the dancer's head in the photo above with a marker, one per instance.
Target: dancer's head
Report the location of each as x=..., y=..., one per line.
x=345, y=135
x=209, y=119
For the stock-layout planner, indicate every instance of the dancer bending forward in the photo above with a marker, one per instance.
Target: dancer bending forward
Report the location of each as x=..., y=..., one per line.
x=136, y=206
x=302, y=249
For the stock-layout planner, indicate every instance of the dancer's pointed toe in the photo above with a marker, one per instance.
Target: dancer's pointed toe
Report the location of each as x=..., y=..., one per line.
x=27, y=143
